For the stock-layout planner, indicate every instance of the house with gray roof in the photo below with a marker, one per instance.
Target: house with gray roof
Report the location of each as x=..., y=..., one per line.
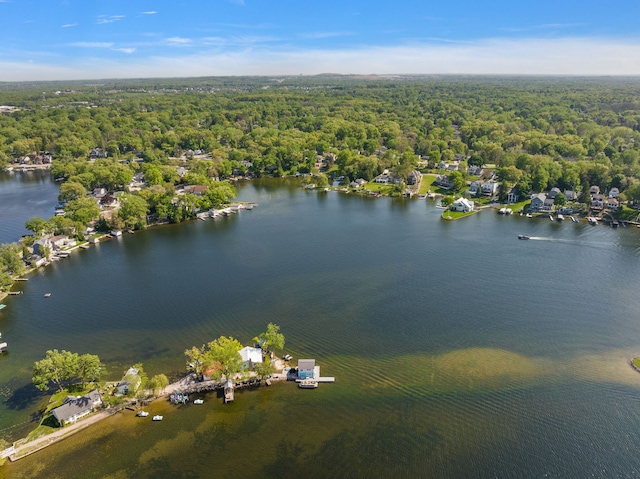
x=537, y=202
x=75, y=407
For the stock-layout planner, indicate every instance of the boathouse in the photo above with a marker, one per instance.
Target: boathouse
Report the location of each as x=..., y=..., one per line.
x=306, y=368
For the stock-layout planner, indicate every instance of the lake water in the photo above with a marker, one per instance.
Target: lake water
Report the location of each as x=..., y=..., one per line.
x=23, y=195
x=458, y=350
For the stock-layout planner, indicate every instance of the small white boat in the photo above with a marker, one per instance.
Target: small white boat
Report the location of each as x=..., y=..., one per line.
x=157, y=418
x=574, y=219
x=142, y=414
x=560, y=217
x=523, y=237
x=198, y=401
x=308, y=384
x=529, y=215
x=551, y=217
x=287, y=357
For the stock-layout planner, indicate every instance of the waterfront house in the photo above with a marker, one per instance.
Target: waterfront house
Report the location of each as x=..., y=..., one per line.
x=594, y=190
x=414, y=178
x=443, y=181
x=597, y=202
x=489, y=188
x=512, y=196
x=130, y=382
x=462, y=204
x=613, y=204
x=75, y=407
x=548, y=205
x=361, y=182
x=537, y=202
x=306, y=368
x=614, y=192
x=251, y=356
x=571, y=195
x=384, y=179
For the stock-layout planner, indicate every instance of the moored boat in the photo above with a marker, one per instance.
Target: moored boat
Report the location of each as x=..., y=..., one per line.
x=198, y=401
x=142, y=414
x=157, y=418
x=308, y=384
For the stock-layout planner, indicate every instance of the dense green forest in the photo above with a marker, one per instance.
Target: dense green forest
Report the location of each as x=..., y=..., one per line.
x=536, y=133
x=546, y=132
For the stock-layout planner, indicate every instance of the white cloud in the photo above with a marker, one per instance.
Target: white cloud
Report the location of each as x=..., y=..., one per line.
x=567, y=56
x=179, y=41
x=128, y=51
x=91, y=44
x=148, y=13
x=68, y=25
x=103, y=19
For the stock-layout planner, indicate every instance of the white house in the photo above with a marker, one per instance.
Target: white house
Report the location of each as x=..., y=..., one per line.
x=462, y=204
x=489, y=188
x=251, y=356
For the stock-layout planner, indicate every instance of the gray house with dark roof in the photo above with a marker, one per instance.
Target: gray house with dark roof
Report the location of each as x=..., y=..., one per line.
x=73, y=408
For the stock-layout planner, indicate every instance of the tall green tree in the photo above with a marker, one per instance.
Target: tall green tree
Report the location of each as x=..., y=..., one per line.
x=157, y=383
x=133, y=211
x=36, y=224
x=57, y=368
x=272, y=339
x=90, y=369
x=225, y=352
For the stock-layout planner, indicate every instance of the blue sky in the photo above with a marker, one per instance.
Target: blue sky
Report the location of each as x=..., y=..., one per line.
x=92, y=39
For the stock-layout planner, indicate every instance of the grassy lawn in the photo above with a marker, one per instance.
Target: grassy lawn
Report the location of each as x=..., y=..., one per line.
x=627, y=214
x=379, y=188
x=636, y=362
x=427, y=184
x=455, y=215
x=49, y=423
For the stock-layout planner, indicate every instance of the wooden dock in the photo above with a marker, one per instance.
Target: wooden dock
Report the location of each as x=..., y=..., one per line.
x=229, y=395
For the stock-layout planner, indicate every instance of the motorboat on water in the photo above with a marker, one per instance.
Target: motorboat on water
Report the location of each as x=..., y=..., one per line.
x=157, y=418
x=524, y=237
x=198, y=401
x=142, y=414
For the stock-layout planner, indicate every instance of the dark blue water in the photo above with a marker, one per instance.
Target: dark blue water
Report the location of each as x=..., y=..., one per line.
x=23, y=195
x=459, y=351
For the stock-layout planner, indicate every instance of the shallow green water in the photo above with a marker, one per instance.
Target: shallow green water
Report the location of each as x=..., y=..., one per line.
x=459, y=351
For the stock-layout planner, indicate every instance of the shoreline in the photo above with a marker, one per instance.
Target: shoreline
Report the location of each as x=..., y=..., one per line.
x=23, y=448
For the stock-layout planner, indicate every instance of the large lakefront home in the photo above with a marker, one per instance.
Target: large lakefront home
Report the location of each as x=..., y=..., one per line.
x=75, y=407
